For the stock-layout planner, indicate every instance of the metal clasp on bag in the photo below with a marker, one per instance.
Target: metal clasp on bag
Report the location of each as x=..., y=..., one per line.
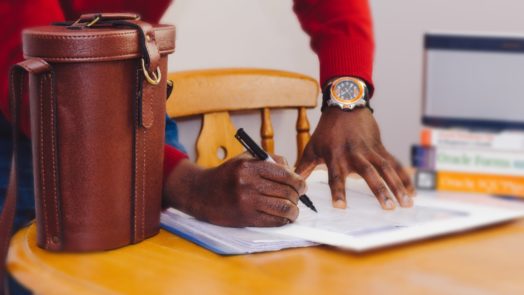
x=156, y=77
x=89, y=20
x=90, y=23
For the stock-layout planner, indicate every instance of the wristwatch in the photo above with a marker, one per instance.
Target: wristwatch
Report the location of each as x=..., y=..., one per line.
x=346, y=93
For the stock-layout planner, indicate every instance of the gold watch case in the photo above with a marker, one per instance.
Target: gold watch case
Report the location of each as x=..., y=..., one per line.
x=358, y=99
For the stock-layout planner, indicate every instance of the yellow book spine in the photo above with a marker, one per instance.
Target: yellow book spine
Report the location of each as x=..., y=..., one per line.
x=480, y=183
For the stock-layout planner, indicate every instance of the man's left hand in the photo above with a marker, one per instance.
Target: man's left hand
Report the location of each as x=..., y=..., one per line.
x=350, y=142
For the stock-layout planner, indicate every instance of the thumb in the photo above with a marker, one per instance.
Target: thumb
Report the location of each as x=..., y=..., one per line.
x=307, y=162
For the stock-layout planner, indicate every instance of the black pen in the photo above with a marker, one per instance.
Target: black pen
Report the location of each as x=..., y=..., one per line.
x=257, y=152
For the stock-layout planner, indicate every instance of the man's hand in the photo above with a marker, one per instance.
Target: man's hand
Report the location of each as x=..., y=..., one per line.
x=241, y=192
x=350, y=142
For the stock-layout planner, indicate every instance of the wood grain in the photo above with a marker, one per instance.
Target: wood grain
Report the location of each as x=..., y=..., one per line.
x=216, y=90
x=487, y=261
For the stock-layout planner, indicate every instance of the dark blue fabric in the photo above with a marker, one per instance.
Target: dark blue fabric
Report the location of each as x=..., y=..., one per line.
x=172, y=135
x=474, y=43
x=26, y=203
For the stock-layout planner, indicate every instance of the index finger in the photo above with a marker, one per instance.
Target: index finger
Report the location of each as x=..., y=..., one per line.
x=375, y=182
x=280, y=174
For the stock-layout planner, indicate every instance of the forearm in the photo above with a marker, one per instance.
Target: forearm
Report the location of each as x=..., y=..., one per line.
x=341, y=35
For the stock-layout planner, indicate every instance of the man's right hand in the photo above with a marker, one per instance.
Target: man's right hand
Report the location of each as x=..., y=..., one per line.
x=241, y=192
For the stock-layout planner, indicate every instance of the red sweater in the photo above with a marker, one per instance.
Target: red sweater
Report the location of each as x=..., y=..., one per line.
x=340, y=31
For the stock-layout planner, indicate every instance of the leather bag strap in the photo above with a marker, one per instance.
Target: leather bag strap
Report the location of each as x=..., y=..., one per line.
x=17, y=76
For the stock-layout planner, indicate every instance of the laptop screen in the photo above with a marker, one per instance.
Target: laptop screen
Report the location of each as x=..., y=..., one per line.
x=474, y=81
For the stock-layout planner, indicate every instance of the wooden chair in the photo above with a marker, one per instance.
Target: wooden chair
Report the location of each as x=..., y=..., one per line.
x=214, y=93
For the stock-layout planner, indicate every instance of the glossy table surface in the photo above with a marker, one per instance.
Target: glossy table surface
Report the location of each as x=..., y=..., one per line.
x=486, y=261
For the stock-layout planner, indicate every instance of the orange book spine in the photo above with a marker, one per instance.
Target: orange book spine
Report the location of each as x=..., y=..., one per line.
x=425, y=137
x=480, y=183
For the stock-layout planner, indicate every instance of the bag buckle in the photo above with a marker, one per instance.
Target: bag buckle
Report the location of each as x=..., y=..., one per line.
x=156, y=77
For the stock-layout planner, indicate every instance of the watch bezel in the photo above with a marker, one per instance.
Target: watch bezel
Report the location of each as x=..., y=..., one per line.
x=347, y=103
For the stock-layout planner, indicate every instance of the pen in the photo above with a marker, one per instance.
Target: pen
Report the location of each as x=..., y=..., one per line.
x=257, y=152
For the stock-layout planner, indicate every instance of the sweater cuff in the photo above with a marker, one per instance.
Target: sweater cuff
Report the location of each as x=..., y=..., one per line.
x=339, y=57
x=172, y=157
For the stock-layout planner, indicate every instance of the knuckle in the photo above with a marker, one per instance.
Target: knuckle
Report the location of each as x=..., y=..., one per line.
x=382, y=190
x=289, y=192
x=352, y=147
x=244, y=163
x=368, y=169
x=302, y=187
x=294, y=213
x=334, y=177
x=241, y=180
x=279, y=221
x=282, y=206
x=385, y=165
x=243, y=200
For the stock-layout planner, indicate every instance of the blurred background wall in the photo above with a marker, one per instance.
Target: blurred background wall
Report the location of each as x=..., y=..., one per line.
x=266, y=34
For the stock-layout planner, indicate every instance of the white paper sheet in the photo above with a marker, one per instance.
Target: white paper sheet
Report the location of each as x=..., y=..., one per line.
x=363, y=226
x=226, y=240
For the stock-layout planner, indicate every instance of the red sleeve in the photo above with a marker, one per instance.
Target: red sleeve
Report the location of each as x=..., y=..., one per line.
x=18, y=15
x=172, y=157
x=150, y=11
x=341, y=35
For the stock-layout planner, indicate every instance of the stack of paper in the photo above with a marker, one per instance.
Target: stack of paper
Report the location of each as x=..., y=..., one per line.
x=226, y=240
x=364, y=225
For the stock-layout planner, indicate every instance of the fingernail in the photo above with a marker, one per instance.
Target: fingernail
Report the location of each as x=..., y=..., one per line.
x=412, y=192
x=341, y=204
x=389, y=204
x=407, y=201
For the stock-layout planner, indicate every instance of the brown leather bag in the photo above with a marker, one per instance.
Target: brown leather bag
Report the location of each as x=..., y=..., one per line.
x=97, y=102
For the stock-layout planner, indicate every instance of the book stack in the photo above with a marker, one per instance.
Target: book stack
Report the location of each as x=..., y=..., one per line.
x=469, y=161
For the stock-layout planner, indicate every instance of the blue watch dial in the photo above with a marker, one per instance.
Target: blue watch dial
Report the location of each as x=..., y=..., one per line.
x=347, y=90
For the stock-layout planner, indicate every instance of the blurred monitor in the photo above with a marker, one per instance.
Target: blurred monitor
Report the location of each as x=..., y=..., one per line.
x=474, y=81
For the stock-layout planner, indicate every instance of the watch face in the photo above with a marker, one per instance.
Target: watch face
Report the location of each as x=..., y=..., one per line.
x=347, y=90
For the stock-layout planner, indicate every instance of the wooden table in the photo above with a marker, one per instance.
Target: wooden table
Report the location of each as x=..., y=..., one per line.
x=488, y=261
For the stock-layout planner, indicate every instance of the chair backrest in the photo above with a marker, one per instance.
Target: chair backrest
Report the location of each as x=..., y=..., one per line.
x=214, y=93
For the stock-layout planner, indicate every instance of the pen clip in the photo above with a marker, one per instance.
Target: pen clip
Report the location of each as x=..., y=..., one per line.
x=246, y=146
x=251, y=145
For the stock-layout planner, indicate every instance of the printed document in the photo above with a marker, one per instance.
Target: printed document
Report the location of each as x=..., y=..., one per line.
x=362, y=226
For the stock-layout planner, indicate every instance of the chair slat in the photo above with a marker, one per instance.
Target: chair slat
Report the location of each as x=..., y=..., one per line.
x=200, y=92
x=302, y=131
x=266, y=131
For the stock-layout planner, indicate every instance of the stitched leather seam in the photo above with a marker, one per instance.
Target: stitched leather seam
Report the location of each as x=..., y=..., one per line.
x=43, y=193
x=145, y=157
x=39, y=36
x=151, y=111
x=135, y=195
x=96, y=57
x=53, y=151
x=144, y=144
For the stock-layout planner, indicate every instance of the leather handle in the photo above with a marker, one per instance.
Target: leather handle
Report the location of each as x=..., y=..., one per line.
x=17, y=76
x=88, y=17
